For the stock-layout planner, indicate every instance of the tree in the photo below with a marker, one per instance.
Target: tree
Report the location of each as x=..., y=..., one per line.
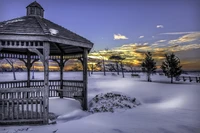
x=131, y=66
x=1, y=65
x=148, y=65
x=171, y=66
x=118, y=59
x=11, y=62
x=103, y=60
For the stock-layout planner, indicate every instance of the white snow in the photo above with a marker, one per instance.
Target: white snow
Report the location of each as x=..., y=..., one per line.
x=53, y=31
x=166, y=107
x=14, y=21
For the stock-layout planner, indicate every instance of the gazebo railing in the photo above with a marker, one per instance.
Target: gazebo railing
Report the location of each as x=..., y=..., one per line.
x=13, y=84
x=70, y=88
x=21, y=104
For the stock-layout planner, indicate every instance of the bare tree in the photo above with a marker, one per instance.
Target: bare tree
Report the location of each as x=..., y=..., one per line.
x=11, y=63
x=118, y=60
x=103, y=61
x=131, y=66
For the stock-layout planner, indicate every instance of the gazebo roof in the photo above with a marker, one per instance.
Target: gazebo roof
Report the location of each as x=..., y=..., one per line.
x=34, y=27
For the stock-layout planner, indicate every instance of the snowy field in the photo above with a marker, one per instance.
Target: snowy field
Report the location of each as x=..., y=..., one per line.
x=165, y=107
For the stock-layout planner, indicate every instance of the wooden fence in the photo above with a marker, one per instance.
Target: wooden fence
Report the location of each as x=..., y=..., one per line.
x=189, y=78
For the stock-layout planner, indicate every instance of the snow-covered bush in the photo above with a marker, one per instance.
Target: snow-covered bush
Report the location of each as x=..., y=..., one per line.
x=109, y=102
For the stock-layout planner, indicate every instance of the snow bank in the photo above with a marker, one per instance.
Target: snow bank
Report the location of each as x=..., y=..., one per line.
x=166, y=107
x=109, y=102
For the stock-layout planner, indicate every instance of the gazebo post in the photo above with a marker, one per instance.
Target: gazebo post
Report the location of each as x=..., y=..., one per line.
x=61, y=74
x=28, y=66
x=46, y=80
x=85, y=52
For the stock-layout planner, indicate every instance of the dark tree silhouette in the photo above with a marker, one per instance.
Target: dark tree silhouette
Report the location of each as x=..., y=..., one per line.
x=103, y=61
x=11, y=63
x=118, y=59
x=148, y=65
x=171, y=66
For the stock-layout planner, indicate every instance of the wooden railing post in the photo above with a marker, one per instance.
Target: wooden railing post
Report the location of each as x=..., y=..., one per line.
x=85, y=80
x=46, y=81
x=28, y=66
x=61, y=75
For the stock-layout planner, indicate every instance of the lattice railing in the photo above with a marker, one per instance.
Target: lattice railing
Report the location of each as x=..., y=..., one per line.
x=71, y=88
x=13, y=84
x=24, y=105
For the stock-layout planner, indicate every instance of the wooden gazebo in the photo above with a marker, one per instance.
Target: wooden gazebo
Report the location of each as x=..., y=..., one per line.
x=32, y=38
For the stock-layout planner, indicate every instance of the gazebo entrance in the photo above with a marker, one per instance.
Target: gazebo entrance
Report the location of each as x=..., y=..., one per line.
x=32, y=38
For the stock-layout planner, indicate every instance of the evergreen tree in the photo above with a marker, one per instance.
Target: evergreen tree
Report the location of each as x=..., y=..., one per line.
x=148, y=65
x=171, y=66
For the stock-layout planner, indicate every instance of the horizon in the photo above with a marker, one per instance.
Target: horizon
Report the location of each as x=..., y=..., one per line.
x=128, y=28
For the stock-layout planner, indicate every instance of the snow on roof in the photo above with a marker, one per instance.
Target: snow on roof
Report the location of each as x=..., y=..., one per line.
x=14, y=21
x=53, y=31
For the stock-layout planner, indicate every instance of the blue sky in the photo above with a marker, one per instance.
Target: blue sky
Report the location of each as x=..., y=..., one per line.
x=114, y=24
x=99, y=20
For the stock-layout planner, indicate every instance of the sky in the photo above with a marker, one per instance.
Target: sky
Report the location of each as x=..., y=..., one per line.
x=131, y=27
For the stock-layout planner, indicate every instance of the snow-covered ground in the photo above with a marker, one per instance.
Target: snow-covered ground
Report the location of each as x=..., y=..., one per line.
x=165, y=107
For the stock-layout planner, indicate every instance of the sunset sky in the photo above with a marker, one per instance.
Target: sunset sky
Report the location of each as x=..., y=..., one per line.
x=126, y=27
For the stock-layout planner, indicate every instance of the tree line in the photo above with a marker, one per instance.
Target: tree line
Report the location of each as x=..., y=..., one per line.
x=170, y=66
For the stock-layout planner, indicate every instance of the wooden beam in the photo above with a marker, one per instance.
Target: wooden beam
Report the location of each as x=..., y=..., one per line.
x=34, y=61
x=55, y=39
x=55, y=60
x=65, y=62
x=81, y=60
x=38, y=53
x=46, y=52
x=25, y=63
x=58, y=47
x=85, y=53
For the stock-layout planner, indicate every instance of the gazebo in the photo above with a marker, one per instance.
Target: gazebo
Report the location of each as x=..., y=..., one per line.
x=32, y=38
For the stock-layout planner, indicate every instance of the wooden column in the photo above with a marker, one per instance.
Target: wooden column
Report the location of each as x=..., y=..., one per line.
x=28, y=66
x=46, y=80
x=85, y=80
x=61, y=64
x=104, y=69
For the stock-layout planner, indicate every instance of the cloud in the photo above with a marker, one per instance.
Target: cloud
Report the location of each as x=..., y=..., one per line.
x=185, y=47
x=186, y=38
x=159, y=26
x=177, y=33
x=162, y=41
x=141, y=37
x=119, y=37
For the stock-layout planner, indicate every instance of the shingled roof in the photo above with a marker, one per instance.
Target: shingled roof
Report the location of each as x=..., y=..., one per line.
x=33, y=25
x=36, y=28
